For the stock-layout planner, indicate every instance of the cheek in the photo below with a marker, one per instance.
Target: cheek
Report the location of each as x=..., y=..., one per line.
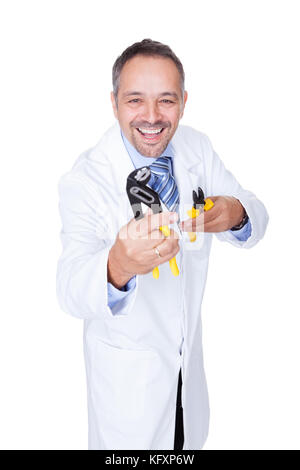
x=173, y=116
x=132, y=116
x=126, y=116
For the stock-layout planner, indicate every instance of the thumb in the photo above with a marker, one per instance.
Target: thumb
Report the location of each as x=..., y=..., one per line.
x=149, y=211
x=213, y=198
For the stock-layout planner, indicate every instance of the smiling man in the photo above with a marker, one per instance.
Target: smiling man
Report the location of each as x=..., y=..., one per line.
x=142, y=335
x=148, y=101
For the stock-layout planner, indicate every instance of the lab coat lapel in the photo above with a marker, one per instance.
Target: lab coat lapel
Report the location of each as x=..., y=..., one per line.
x=121, y=166
x=187, y=167
x=188, y=172
x=118, y=156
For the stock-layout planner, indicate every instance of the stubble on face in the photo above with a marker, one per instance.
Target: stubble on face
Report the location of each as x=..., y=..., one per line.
x=149, y=149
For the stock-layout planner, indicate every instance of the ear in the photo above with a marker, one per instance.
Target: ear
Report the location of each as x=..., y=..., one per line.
x=114, y=104
x=184, y=101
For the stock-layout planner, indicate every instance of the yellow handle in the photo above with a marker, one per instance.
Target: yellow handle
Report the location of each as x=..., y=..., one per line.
x=192, y=236
x=155, y=273
x=172, y=262
x=208, y=204
x=173, y=266
x=195, y=212
x=192, y=213
x=165, y=230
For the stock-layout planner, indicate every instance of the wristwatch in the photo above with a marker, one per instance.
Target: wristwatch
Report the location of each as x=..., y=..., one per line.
x=241, y=225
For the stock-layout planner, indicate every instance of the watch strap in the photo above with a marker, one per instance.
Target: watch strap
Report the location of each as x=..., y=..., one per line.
x=243, y=222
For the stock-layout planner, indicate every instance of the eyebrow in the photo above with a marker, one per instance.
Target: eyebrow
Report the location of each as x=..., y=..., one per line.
x=138, y=93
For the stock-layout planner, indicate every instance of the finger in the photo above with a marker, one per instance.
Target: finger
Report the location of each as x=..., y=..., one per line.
x=166, y=247
x=212, y=213
x=213, y=198
x=174, y=235
x=135, y=224
x=217, y=225
x=190, y=225
x=154, y=221
x=156, y=236
x=169, y=255
x=199, y=223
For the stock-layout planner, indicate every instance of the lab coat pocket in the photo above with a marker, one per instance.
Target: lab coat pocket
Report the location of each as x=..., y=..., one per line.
x=121, y=378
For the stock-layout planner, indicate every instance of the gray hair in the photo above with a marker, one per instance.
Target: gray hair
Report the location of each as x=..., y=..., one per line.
x=147, y=47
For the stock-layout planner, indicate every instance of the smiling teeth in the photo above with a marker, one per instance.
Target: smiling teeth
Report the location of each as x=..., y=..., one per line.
x=149, y=131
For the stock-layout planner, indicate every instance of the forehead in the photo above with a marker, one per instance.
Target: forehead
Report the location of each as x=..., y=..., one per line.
x=148, y=73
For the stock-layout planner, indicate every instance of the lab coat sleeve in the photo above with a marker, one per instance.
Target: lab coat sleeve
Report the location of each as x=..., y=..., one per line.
x=223, y=183
x=81, y=279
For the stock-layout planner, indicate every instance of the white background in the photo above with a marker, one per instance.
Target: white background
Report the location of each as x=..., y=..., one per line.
x=241, y=60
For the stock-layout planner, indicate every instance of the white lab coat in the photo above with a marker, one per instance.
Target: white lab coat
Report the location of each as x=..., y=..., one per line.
x=133, y=353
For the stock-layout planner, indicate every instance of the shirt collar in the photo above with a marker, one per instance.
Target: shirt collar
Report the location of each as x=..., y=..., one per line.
x=139, y=159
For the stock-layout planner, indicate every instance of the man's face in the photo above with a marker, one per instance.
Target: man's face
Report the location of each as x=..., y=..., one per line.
x=149, y=99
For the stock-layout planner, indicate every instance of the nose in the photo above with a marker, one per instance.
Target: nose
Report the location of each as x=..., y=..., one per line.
x=151, y=112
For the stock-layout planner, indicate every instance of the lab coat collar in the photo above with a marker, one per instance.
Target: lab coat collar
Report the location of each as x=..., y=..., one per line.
x=113, y=143
x=187, y=164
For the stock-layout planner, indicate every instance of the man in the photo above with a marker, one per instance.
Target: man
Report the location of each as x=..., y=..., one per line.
x=143, y=336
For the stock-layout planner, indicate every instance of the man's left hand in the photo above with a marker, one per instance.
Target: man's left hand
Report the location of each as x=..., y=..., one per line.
x=225, y=214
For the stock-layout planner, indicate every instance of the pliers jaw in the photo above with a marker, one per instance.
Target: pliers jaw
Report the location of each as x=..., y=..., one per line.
x=198, y=199
x=138, y=192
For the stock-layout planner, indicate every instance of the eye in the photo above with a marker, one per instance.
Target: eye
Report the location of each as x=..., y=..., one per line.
x=167, y=101
x=135, y=100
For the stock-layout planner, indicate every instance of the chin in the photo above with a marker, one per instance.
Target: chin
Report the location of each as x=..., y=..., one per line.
x=150, y=150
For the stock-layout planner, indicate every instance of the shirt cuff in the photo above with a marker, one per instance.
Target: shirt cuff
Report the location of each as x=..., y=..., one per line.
x=115, y=294
x=244, y=233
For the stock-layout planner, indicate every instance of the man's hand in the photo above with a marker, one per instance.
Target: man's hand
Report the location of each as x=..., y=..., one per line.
x=134, y=249
x=225, y=214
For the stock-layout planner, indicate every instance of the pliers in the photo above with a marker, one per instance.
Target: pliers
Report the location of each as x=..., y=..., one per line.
x=198, y=201
x=138, y=192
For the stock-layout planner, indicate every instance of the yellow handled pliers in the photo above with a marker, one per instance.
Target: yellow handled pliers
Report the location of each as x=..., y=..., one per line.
x=198, y=200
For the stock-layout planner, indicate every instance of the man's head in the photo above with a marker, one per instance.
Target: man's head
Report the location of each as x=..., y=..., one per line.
x=148, y=94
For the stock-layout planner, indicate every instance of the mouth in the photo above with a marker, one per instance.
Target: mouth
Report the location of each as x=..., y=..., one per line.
x=151, y=135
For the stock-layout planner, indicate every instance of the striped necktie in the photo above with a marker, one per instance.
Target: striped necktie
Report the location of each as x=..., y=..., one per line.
x=164, y=183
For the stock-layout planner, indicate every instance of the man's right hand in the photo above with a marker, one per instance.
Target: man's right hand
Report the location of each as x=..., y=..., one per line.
x=134, y=249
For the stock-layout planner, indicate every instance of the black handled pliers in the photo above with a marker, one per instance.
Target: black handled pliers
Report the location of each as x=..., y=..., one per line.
x=138, y=192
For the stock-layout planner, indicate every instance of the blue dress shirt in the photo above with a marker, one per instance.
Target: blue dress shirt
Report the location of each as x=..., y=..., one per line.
x=114, y=294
